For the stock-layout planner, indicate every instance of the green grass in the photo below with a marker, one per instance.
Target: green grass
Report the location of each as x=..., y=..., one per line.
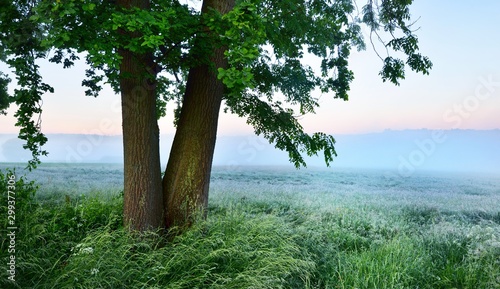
x=298, y=230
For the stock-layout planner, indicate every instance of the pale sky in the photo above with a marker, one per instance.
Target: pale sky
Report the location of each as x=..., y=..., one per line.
x=462, y=91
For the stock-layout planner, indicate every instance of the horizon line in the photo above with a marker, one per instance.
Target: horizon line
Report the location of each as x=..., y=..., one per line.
x=247, y=134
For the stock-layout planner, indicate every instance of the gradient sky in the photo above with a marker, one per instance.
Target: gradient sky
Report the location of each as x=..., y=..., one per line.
x=462, y=91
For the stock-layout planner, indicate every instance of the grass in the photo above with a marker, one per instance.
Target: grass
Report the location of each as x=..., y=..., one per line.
x=267, y=228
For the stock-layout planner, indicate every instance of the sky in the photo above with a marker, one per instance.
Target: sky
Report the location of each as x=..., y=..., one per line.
x=461, y=92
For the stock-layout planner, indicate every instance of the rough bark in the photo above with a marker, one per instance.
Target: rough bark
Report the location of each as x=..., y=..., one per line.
x=187, y=176
x=143, y=199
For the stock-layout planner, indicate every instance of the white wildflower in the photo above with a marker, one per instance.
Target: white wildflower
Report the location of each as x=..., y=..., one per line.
x=87, y=250
x=94, y=271
x=79, y=249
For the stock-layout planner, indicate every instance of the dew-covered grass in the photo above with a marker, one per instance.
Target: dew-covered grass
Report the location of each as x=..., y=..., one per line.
x=267, y=227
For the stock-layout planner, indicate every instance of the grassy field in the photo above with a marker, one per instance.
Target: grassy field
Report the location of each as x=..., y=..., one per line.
x=267, y=228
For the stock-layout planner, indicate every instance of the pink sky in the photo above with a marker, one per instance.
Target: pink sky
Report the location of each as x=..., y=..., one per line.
x=462, y=91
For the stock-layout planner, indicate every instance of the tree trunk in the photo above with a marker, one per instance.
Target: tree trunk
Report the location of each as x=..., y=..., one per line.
x=187, y=176
x=143, y=199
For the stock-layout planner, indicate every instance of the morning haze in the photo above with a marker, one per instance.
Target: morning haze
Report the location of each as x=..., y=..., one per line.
x=406, y=151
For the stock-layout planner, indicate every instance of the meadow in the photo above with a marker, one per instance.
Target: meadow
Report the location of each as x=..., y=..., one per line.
x=267, y=227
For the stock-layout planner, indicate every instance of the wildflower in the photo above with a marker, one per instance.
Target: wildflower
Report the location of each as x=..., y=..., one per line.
x=79, y=250
x=94, y=271
x=87, y=250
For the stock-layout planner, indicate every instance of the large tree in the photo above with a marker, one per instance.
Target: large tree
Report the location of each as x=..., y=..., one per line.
x=247, y=54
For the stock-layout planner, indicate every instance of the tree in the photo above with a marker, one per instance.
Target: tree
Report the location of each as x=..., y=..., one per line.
x=245, y=53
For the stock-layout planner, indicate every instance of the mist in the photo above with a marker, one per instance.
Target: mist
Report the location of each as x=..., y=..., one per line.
x=405, y=151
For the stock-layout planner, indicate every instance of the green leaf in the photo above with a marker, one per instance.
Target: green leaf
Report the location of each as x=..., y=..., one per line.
x=265, y=43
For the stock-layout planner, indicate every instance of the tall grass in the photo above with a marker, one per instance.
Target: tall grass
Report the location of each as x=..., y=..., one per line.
x=231, y=251
x=287, y=232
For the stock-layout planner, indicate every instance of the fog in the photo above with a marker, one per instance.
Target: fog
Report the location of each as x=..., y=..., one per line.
x=406, y=151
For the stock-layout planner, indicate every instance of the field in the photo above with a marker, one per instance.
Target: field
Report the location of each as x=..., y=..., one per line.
x=268, y=227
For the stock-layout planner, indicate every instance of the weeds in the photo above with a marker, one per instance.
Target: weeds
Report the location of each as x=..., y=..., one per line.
x=304, y=236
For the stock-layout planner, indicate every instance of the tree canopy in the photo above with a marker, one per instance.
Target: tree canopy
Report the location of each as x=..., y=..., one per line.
x=266, y=81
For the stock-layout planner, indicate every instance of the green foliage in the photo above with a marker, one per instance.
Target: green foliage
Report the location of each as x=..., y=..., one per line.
x=47, y=231
x=5, y=98
x=279, y=125
x=265, y=43
x=268, y=59
x=421, y=215
x=394, y=264
x=24, y=195
x=20, y=47
x=242, y=34
x=291, y=231
x=85, y=214
x=393, y=17
x=229, y=252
